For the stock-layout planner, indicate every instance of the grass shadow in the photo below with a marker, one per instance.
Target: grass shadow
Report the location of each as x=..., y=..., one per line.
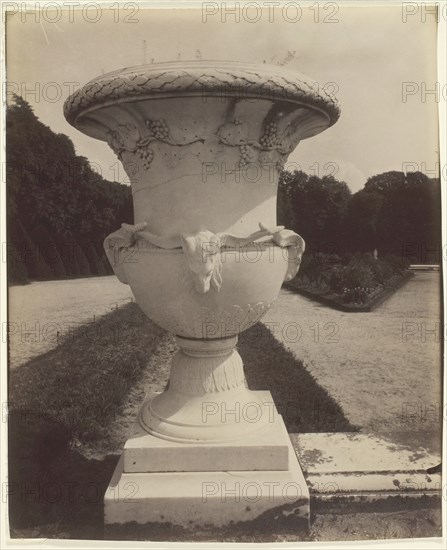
x=303, y=403
x=71, y=393
x=53, y=491
x=84, y=381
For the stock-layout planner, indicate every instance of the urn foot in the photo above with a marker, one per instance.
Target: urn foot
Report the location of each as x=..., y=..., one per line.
x=207, y=399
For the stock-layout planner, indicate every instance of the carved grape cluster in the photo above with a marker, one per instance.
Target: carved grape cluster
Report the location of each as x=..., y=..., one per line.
x=246, y=154
x=146, y=155
x=280, y=164
x=115, y=141
x=270, y=136
x=158, y=128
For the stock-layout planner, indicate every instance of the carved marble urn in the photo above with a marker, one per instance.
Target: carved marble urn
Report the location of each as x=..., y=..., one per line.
x=203, y=144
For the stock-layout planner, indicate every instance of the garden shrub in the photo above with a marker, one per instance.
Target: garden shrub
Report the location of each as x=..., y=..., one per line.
x=347, y=258
x=316, y=266
x=358, y=295
x=397, y=263
x=355, y=274
x=358, y=274
x=336, y=279
x=382, y=271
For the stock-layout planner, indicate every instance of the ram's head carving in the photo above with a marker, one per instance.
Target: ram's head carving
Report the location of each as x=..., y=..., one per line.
x=202, y=251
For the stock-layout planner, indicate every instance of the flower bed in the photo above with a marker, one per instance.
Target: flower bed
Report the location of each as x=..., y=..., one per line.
x=355, y=282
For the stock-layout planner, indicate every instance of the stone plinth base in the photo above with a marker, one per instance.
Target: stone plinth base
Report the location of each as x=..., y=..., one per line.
x=268, y=450
x=210, y=484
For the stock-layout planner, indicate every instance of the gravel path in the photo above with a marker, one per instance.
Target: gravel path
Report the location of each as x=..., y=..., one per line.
x=383, y=367
x=38, y=311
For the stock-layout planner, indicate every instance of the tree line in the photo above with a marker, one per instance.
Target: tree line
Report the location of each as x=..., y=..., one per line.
x=395, y=214
x=60, y=209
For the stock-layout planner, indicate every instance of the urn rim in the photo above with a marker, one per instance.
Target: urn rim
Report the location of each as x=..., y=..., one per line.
x=195, y=78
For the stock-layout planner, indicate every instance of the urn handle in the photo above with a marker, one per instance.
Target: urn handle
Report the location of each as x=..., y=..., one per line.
x=126, y=236
x=202, y=250
x=295, y=249
x=114, y=246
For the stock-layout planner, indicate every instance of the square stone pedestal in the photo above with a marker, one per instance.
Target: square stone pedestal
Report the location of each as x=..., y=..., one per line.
x=208, y=485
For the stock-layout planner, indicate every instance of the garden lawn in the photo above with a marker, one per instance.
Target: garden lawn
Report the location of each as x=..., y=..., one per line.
x=70, y=411
x=383, y=367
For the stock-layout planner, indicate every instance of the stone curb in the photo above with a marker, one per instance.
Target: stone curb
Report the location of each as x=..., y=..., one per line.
x=353, y=468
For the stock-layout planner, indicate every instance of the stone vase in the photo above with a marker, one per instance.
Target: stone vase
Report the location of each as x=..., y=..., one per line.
x=203, y=144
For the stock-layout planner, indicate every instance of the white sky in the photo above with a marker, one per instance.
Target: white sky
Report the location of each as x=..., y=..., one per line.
x=370, y=53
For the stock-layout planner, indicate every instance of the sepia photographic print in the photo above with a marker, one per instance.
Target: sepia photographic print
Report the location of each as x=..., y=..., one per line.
x=223, y=246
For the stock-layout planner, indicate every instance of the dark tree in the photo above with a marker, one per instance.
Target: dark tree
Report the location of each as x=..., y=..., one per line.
x=59, y=209
x=316, y=208
x=395, y=213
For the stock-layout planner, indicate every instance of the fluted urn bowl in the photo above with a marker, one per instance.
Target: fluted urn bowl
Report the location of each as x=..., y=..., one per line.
x=203, y=144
